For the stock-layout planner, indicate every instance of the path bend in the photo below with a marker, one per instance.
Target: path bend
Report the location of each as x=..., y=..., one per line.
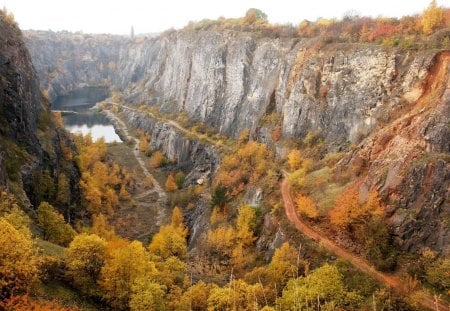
x=427, y=301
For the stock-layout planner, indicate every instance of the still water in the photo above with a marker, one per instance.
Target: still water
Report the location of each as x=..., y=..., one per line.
x=85, y=120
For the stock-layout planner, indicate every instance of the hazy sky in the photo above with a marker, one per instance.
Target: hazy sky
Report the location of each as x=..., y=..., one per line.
x=117, y=16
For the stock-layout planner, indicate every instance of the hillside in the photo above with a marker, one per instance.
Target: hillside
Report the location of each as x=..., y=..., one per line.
x=234, y=81
x=260, y=167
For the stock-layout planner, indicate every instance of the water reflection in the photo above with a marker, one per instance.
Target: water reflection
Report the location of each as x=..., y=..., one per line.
x=85, y=120
x=92, y=122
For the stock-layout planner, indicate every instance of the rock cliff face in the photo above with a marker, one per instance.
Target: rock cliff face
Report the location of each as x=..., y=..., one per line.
x=29, y=140
x=231, y=80
x=347, y=93
x=198, y=159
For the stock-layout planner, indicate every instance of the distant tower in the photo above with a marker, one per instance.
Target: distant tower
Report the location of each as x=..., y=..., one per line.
x=132, y=32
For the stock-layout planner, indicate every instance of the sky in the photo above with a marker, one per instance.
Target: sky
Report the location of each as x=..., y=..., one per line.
x=146, y=16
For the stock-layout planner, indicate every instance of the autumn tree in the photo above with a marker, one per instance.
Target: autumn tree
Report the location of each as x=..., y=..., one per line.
x=86, y=256
x=432, y=18
x=438, y=274
x=170, y=183
x=157, y=159
x=294, y=159
x=54, y=228
x=124, y=195
x=102, y=228
x=348, y=210
x=171, y=238
x=195, y=298
x=147, y=295
x=306, y=206
x=324, y=286
x=18, y=264
x=125, y=265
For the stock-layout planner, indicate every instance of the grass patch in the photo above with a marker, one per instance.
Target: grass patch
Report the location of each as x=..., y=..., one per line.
x=66, y=296
x=50, y=249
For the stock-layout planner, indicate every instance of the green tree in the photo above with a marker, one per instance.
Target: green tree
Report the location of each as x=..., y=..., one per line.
x=55, y=229
x=86, y=256
x=179, y=179
x=220, y=197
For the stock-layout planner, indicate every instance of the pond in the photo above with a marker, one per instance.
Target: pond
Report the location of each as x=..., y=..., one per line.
x=80, y=118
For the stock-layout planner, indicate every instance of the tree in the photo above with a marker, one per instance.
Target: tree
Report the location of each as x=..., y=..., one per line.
x=121, y=270
x=157, y=159
x=220, y=197
x=294, y=159
x=143, y=144
x=55, y=229
x=18, y=262
x=195, y=298
x=306, y=206
x=179, y=179
x=86, y=256
x=323, y=289
x=348, y=210
x=147, y=295
x=170, y=183
x=102, y=228
x=124, y=194
x=438, y=274
x=171, y=239
x=432, y=18
x=253, y=14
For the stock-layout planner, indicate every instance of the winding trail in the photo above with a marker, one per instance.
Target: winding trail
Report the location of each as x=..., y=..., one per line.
x=176, y=125
x=426, y=300
x=162, y=196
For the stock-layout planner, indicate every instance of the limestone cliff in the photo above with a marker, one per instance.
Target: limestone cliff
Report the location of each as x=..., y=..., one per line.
x=347, y=93
x=30, y=142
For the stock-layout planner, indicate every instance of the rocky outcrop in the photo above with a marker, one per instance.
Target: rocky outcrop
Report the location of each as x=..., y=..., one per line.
x=230, y=80
x=30, y=142
x=198, y=159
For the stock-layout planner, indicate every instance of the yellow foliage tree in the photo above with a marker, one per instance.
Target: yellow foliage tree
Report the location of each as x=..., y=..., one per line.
x=306, y=206
x=86, y=256
x=432, y=18
x=147, y=295
x=55, y=229
x=171, y=184
x=124, y=194
x=121, y=270
x=102, y=228
x=171, y=239
x=18, y=263
x=294, y=159
x=348, y=210
x=143, y=144
x=157, y=159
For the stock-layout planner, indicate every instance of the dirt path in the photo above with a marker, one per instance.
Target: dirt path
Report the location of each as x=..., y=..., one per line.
x=178, y=126
x=426, y=300
x=162, y=196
